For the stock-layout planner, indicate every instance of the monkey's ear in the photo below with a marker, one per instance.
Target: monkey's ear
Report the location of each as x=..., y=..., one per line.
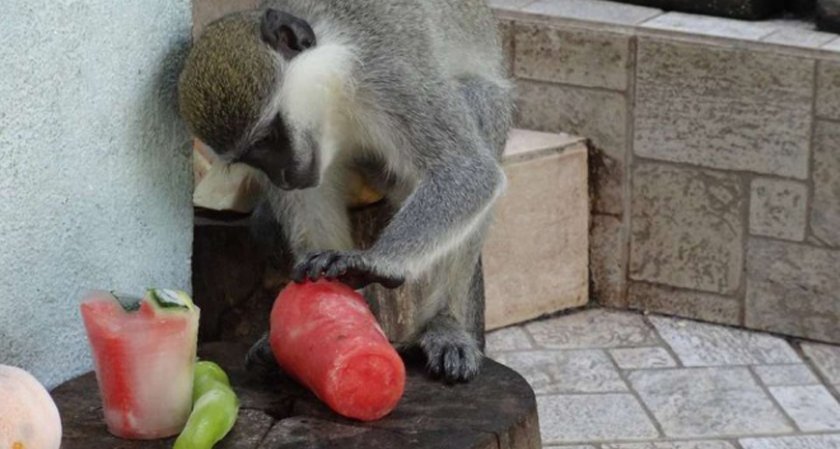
x=286, y=33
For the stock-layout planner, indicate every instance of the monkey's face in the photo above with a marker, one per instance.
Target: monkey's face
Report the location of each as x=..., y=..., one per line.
x=227, y=94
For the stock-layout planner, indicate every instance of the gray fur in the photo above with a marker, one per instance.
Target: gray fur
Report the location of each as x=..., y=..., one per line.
x=431, y=73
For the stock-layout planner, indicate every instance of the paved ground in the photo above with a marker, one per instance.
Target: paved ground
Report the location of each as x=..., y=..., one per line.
x=620, y=380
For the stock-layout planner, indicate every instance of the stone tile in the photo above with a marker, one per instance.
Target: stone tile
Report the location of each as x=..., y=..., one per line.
x=792, y=442
x=687, y=228
x=207, y=11
x=708, y=26
x=825, y=209
x=828, y=89
x=707, y=444
x=608, y=261
x=536, y=258
x=508, y=339
x=593, y=11
x=797, y=37
x=785, y=375
x=708, y=402
x=524, y=144
x=572, y=55
x=833, y=45
x=793, y=289
x=595, y=328
x=826, y=358
x=779, y=209
x=684, y=303
x=575, y=446
x=509, y=5
x=593, y=417
x=700, y=344
x=641, y=358
x=734, y=109
x=812, y=408
x=576, y=371
x=598, y=115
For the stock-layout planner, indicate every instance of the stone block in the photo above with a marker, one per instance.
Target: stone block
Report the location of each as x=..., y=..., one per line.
x=792, y=442
x=576, y=56
x=599, y=115
x=684, y=303
x=778, y=208
x=708, y=402
x=578, y=371
x=642, y=358
x=733, y=109
x=700, y=344
x=706, y=25
x=508, y=339
x=593, y=11
x=596, y=328
x=812, y=408
x=828, y=89
x=826, y=358
x=825, y=209
x=793, y=289
x=536, y=256
x=833, y=45
x=593, y=417
x=506, y=36
x=608, y=260
x=799, y=37
x=785, y=375
x=687, y=228
x=207, y=11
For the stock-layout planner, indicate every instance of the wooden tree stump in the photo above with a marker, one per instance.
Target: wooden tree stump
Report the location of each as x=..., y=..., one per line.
x=495, y=411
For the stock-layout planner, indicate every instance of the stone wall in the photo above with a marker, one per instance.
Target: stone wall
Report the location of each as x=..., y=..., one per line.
x=715, y=173
x=94, y=168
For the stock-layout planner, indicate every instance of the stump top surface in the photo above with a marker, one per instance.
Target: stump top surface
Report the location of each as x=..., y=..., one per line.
x=497, y=410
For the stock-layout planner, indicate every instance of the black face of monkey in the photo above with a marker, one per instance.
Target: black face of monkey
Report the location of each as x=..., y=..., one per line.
x=229, y=79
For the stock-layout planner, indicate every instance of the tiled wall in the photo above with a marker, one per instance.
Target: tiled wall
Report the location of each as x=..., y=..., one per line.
x=716, y=162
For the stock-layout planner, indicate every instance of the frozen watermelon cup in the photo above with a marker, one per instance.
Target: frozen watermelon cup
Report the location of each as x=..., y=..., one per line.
x=144, y=350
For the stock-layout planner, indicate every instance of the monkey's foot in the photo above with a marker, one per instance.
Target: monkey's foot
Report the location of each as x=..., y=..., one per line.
x=451, y=353
x=261, y=359
x=354, y=268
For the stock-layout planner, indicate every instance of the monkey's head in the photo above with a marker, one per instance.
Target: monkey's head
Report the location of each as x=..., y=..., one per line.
x=226, y=89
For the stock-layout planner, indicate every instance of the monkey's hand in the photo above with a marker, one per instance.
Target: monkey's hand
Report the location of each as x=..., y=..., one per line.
x=354, y=268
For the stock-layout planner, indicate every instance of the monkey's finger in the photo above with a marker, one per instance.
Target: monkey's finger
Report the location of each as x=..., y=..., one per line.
x=338, y=268
x=319, y=264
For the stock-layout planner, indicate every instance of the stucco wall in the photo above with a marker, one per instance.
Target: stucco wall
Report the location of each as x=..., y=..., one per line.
x=95, y=176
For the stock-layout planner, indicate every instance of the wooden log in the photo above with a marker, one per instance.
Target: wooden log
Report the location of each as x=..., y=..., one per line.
x=497, y=410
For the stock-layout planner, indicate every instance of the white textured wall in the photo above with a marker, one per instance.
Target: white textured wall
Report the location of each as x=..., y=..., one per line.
x=95, y=177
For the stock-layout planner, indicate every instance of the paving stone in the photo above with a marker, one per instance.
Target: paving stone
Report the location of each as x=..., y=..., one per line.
x=547, y=196
x=608, y=261
x=508, y=339
x=793, y=442
x=596, y=328
x=684, y=303
x=708, y=444
x=734, y=109
x=826, y=358
x=793, y=289
x=593, y=417
x=509, y=5
x=825, y=210
x=600, y=116
x=812, y=408
x=785, y=375
x=700, y=344
x=641, y=358
x=577, y=371
x=708, y=402
x=797, y=37
x=779, y=209
x=594, y=11
x=833, y=45
x=572, y=55
x=708, y=26
x=687, y=228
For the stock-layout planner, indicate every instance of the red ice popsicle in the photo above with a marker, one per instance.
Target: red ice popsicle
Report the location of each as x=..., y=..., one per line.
x=324, y=334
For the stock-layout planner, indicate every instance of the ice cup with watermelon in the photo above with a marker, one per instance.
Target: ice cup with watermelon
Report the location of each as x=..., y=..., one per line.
x=144, y=351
